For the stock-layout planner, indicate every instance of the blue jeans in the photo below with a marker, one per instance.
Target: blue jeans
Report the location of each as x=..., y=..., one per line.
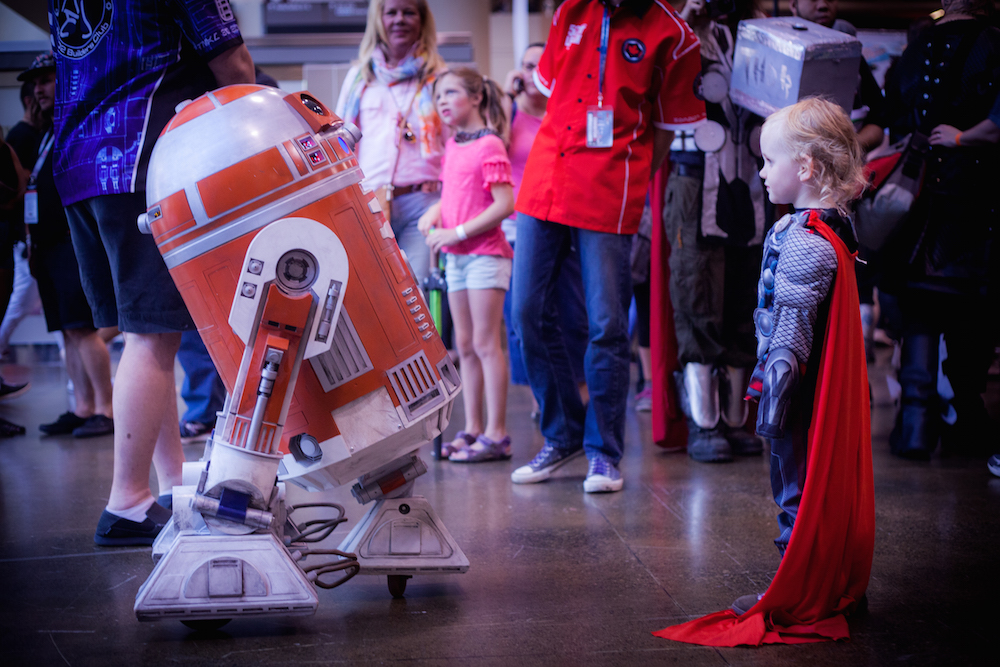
x=573, y=314
x=542, y=248
x=406, y=212
x=203, y=391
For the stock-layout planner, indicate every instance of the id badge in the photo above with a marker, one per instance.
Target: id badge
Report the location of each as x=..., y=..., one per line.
x=31, y=207
x=600, y=127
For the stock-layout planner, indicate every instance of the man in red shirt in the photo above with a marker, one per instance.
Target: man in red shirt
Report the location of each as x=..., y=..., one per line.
x=620, y=79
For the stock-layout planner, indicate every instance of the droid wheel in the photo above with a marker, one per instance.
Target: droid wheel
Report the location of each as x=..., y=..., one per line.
x=397, y=584
x=206, y=624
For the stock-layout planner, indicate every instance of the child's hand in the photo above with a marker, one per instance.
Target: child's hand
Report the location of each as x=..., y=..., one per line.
x=428, y=221
x=441, y=238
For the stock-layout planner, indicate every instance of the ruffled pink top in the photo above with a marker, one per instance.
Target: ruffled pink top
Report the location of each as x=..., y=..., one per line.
x=467, y=172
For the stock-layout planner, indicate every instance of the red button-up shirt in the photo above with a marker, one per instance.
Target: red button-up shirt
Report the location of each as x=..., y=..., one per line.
x=652, y=61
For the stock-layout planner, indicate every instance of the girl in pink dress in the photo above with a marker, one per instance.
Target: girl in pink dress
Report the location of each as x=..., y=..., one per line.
x=477, y=194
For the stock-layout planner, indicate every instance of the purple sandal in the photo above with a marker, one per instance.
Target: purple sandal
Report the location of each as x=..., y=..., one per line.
x=462, y=439
x=483, y=449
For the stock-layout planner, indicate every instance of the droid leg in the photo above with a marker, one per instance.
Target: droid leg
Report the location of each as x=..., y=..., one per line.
x=229, y=555
x=401, y=535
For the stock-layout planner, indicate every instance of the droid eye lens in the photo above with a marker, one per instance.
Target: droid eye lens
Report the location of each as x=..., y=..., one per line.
x=312, y=105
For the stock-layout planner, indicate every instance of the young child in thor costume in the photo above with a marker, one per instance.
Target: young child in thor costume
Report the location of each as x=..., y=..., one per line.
x=811, y=381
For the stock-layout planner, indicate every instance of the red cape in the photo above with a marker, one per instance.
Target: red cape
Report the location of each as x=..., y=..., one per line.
x=827, y=564
x=669, y=426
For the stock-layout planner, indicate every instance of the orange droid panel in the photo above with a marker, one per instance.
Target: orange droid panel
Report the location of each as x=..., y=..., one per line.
x=298, y=288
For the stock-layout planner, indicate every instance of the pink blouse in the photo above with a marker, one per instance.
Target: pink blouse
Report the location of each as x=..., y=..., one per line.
x=467, y=172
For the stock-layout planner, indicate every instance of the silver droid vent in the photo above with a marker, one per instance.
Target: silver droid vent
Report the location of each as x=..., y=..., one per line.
x=346, y=359
x=416, y=386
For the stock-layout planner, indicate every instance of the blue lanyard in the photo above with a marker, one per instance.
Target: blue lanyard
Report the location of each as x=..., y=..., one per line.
x=605, y=30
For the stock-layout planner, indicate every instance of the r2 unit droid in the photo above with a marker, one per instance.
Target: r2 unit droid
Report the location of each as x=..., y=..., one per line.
x=332, y=364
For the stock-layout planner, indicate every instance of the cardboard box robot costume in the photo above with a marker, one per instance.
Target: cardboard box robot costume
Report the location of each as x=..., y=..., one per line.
x=332, y=364
x=779, y=61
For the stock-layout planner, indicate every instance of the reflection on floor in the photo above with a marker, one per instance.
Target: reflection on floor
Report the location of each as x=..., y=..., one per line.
x=557, y=577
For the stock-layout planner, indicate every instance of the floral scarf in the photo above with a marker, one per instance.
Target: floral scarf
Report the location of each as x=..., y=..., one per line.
x=407, y=69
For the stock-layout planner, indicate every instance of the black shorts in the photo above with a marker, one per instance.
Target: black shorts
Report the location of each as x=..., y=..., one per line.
x=123, y=274
x=58, y=275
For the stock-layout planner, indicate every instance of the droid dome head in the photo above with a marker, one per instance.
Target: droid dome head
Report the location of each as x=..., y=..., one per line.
x=236, y=148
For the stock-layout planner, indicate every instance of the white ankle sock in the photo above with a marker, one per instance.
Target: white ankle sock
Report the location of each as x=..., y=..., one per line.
x=135, y=513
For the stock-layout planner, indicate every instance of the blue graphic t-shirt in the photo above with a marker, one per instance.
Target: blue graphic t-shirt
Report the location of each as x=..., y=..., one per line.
x=122, y=66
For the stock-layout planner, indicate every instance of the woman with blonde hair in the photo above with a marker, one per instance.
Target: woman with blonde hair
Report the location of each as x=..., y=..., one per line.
x=389, y=95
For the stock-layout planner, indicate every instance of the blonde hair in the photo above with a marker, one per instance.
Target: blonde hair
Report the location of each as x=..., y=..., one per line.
x=490, y=107
x=819, y=130
x=375, y=37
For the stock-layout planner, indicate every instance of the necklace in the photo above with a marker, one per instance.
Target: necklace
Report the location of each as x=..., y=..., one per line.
x=466, y=137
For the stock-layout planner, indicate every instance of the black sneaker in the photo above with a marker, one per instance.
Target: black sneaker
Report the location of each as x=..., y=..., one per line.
x=94, y=426
x=195, y=431
x=66, y=423
x=708, y=445
x=8, y=391
x=743, y=442
x=10, y=429
x=115, y=531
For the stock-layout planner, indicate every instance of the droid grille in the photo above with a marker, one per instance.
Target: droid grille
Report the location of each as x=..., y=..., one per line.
x=346, y=358
x=416, y=386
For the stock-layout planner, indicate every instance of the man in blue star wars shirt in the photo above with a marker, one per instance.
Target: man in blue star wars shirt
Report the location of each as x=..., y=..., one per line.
x=122, y=67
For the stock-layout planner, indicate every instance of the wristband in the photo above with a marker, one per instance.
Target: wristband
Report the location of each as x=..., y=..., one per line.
x=958, y=138
x=460, y=232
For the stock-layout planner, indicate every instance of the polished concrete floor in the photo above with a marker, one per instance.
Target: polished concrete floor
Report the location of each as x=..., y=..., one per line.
x=556, y=577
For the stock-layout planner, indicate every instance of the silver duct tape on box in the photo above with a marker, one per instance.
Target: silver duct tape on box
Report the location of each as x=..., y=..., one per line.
x=779, y=61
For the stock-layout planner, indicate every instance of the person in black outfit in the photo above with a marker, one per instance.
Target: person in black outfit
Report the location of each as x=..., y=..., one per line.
x=941, y=264
x=53, y=264
x=11, y=188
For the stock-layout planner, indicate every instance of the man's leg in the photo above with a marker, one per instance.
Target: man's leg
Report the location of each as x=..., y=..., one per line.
x=541, y=249
x=697, y=296
x=145, y=408
x=128, y=284
x=96, y=364
x=202, y=390
x=83, y=390
x=607, y=284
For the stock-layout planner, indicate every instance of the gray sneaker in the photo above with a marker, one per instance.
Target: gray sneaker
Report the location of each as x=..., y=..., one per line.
x=745, y=602
x=540, y=468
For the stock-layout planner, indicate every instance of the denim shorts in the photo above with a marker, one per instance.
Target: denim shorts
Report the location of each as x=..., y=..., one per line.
x=126, y=282
x=477, y=272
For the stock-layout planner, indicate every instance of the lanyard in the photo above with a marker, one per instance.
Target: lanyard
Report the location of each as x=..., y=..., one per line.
x=605, y=30
x=43, y=152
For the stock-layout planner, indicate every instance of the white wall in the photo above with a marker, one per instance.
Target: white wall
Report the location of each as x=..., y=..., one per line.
x=472, y=16
x=502, y=56
x=16, y=28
